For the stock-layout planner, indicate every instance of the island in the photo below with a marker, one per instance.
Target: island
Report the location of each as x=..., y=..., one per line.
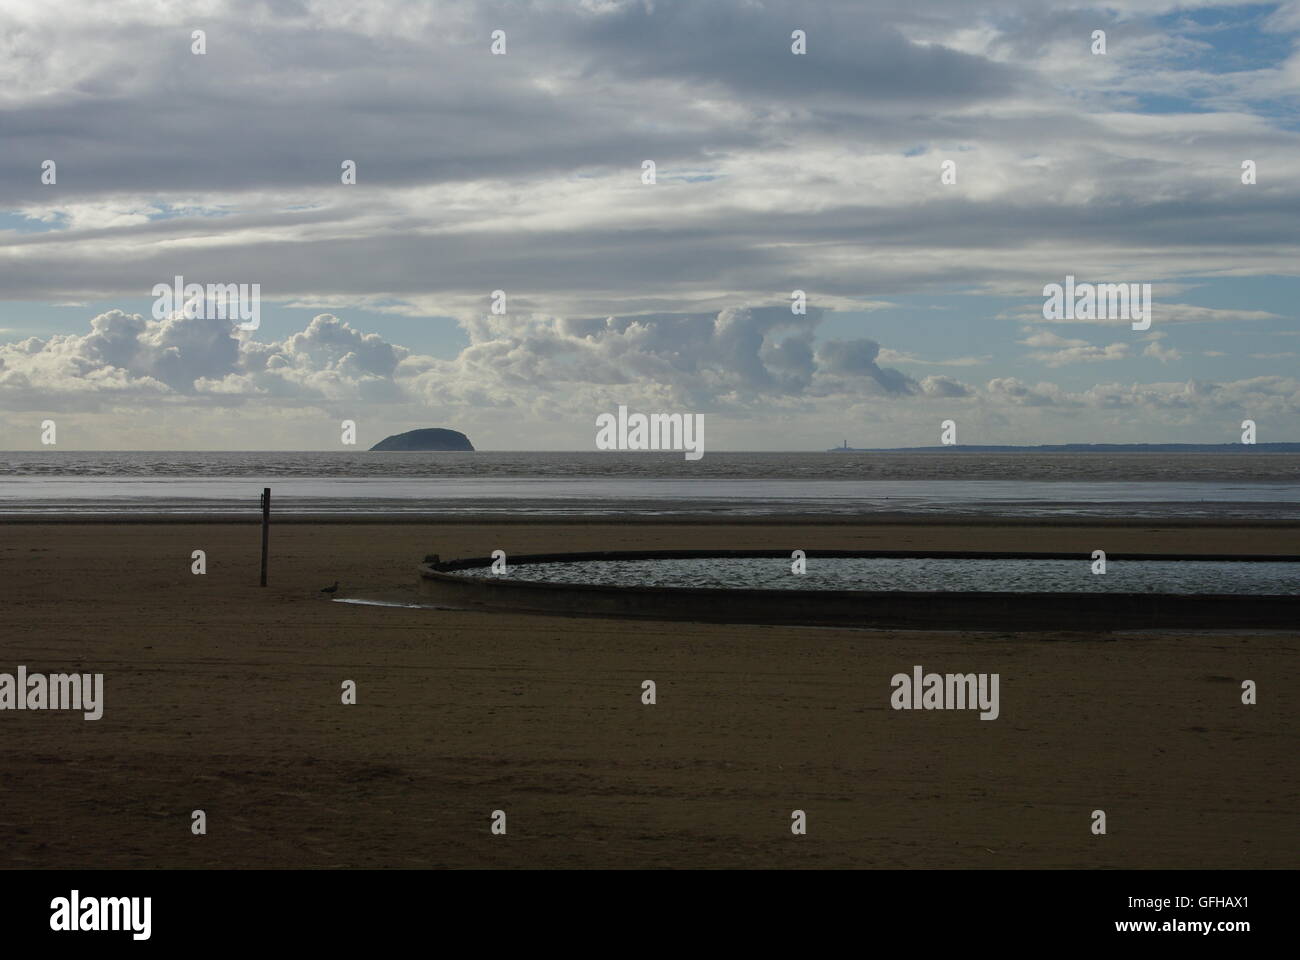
x=430, y=438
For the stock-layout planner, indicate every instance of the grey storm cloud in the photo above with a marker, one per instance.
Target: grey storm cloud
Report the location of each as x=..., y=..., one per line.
x=410, y=92
x=745, y=48
x=857, y=358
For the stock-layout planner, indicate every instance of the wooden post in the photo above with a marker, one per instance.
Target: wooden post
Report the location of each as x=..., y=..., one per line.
x=266, y=527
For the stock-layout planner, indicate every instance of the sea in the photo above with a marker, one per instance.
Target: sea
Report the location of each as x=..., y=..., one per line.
x=363, y=484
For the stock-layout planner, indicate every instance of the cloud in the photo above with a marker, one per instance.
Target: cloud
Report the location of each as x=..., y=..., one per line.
x=1010, y=390
x=850, y=359
x=944, y=387
x=539, y=379
x=1067, y=351
x=522, y=172
x=737, y=356
x=1163, y=354
x=193, y=358
x=895, y=356
x=1197, y=400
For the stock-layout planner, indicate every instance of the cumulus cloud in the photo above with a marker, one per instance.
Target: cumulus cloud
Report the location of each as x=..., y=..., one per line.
x=733, y=357
x=944, y=387
x=192, y=357
x=524, y=376
x=1157, y=351
x=1012, y=391
x=856, y=359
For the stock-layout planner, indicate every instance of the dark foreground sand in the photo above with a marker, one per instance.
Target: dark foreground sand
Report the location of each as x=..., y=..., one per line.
x=225, y=697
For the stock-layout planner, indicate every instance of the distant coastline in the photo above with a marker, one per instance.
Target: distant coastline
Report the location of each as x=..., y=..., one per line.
x=1085, y=448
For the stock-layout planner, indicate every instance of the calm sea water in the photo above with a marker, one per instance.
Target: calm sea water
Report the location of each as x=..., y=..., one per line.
x=928, y=573
x=69, y=483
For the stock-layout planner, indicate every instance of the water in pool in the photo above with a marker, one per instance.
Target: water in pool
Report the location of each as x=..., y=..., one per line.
x=875, y=573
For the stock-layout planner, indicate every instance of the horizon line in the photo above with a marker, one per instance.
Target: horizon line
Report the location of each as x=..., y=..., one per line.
x=937, y=447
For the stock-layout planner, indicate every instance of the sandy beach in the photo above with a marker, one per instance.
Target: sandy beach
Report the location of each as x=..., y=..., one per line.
x=225, y=697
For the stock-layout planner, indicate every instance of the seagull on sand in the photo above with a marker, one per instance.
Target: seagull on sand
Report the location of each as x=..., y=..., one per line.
x=332, y=589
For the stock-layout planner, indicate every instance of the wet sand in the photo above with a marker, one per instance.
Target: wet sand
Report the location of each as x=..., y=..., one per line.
x=225, y=697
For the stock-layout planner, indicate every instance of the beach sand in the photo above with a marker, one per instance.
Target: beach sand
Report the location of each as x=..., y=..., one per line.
x=225, y=697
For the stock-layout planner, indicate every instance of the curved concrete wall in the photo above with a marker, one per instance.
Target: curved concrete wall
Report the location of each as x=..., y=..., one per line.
x=943, y=610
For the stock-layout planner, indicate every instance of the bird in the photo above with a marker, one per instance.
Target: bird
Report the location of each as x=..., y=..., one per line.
x=332, y=589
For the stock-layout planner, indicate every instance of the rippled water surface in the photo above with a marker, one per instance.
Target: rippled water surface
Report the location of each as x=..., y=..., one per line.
x=70, y=483
x=871, y=573
x=1249, y=468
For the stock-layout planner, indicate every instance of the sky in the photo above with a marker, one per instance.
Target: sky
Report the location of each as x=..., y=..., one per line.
x=921, y=173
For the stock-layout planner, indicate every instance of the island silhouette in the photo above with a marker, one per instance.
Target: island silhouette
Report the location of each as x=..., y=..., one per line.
x=429, y=438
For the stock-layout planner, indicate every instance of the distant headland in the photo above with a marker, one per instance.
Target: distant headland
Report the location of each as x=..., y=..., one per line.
x=1085, y=448
x=430, y=438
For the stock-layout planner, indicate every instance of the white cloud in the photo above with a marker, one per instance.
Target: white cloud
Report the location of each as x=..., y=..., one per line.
x=1067, y=351
x=536, y=381
x=1163, y=354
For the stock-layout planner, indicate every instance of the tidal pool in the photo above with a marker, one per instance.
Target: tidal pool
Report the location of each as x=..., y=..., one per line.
x=923, y=573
